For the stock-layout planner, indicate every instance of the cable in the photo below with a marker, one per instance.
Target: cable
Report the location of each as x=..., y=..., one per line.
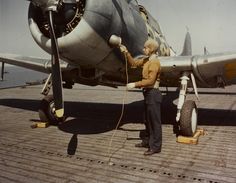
x=121, y=116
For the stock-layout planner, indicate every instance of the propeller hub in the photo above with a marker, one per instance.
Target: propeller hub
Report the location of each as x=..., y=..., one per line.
x=46, y=5
x=67, y=14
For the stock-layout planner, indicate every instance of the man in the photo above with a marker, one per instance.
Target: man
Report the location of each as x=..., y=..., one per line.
x=152, y=95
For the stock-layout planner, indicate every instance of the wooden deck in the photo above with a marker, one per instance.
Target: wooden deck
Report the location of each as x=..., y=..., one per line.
x=78, y=150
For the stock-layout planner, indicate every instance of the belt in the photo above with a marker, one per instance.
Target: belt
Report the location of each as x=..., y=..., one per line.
x=155, y=86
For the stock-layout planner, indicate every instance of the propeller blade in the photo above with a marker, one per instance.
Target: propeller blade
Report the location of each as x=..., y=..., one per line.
x=56, y=70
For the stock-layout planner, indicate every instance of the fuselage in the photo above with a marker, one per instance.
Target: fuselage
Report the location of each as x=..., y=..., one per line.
x=83, y=38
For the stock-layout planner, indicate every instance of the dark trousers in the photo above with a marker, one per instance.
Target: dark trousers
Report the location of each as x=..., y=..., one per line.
x=152, y=105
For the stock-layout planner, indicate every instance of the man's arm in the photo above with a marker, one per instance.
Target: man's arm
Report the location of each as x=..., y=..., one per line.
x=134, y=63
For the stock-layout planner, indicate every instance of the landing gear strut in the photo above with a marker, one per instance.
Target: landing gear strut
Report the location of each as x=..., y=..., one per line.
x=186, y=110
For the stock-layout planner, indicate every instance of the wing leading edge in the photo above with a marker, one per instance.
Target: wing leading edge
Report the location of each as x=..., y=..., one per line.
x=36, y=64
x=33, y=63
x=210, y=70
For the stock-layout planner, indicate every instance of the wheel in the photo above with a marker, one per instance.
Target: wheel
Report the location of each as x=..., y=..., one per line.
x=188, y=119
x=47, y=111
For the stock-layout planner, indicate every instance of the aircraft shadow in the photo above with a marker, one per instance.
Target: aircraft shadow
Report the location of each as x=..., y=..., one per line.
x=92, y=118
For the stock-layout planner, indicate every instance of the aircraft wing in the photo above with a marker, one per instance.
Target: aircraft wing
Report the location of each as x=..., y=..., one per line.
x=33, y=63
x=210, y=70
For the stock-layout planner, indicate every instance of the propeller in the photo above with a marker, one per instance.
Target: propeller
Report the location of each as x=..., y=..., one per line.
x=51, y=8
x=56, y=70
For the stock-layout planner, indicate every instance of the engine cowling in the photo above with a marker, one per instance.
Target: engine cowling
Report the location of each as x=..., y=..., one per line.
x=76, y=37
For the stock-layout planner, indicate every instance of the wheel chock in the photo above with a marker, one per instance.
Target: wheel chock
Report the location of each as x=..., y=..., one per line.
x=191, y=140
x=40, y=125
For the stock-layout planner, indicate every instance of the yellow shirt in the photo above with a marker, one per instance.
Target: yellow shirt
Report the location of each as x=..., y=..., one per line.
x=151, y=70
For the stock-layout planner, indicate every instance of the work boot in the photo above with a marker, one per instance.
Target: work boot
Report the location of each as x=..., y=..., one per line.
x=151, y=152
x=142, y=145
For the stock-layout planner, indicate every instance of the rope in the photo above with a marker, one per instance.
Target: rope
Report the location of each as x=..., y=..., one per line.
x=121, y=116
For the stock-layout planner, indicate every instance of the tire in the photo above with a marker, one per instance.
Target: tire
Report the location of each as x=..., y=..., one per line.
x=188, y=119
x=46, y=111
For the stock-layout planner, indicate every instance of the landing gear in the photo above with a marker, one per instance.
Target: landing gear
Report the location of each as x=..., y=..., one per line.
x=186, y=117
x=47, y=111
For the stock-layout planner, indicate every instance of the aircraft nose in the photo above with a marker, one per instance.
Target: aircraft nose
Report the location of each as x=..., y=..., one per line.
x=67, y=14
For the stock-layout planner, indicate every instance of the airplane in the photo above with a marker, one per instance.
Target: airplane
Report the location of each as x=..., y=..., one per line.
x=79, y=35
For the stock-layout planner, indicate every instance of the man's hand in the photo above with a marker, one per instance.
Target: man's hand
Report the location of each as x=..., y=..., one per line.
x=130, y=86
x=123, y=49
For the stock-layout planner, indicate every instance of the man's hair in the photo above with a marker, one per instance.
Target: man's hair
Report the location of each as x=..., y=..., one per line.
x=152, y=44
